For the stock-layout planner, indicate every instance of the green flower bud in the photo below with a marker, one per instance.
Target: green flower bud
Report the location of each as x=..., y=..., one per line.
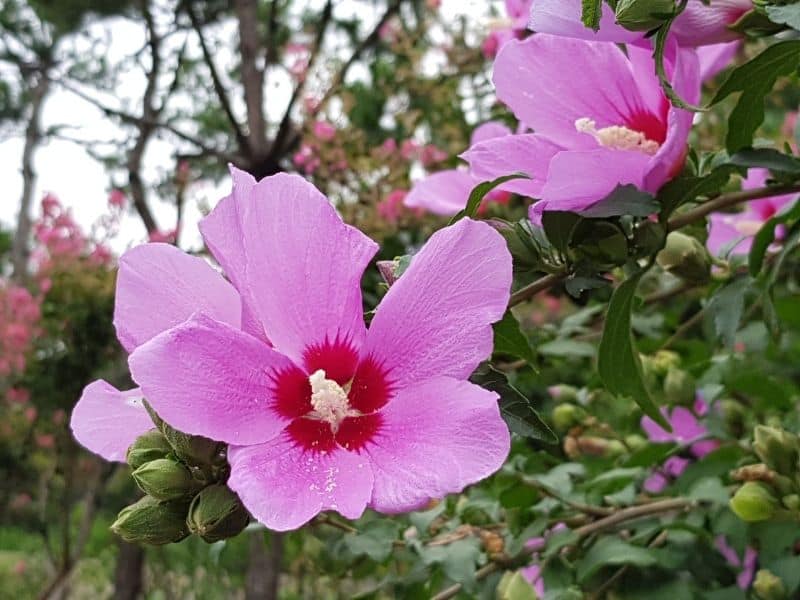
x=643, y=15
x=634, y=441
x=792, y=502
x=216, y=513
x=754, y=502
x=194, y=450
x=665, y=360
x=769, y=586
x=778, y=448
x=567, y=415
x=563, y=393
x=148, y=446
x=679, y=387
x=685, y=257
x=149, y=521
x=164, y=479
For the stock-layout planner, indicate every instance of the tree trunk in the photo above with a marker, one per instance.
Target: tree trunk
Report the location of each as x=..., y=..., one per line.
x=264, y=568
x=128, y=572
x=252, y=52
x=20, y=249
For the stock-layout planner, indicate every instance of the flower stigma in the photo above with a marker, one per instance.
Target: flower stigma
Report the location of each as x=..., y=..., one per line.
x=617, y=137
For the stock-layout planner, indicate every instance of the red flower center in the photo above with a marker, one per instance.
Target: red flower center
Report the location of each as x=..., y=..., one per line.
x=355, y=390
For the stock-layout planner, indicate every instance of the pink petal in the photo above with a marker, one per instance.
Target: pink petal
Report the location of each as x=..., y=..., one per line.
x=303, y=266
x=674, y=466
x=727, y=551
x=436, y=319
x=159, y=286
x=722, y=234
x=563, y=17
x=285, y=486
x=436, y=438
x=656, y=483
x=487, y=131
x=654, y=431
x=749, y=565
x=550, y=82
x=443, y=193
x=685, y=425
x=107, y=421
x=222, y=232
x=499, y=156
x=701, y=24
x=716, y=57
x=207, y=378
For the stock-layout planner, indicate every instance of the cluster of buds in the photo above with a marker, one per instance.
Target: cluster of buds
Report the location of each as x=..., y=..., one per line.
x=663, y=371
x=183, y=478
x=771, y=488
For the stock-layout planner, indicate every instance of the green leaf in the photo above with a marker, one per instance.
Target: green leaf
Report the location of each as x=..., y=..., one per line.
x=479, y=192
x=374, y=540
x=788, y=14
x=568, y=348
x=624, y=200
x=688, y=188
x=591, y=11
x=755, y=80
x=766, y=158
x=613, y=551
x=618, y=362
x=558, y=227
x=516, y=409
x=508, y=339
x=765, y=236
x=458, y=559
x=726, y=308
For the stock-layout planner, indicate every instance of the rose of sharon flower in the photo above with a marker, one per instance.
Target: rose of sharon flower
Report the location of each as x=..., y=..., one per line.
x=747, y=563
x=513, y=26
x=698, y=25
x=446, y=192
x=685, y=428
x=733, y=233
x=595, y=112
x=319, y=412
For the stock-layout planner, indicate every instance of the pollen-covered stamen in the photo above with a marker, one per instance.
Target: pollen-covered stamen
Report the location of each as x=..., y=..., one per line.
x=617, y=137
x=329, y=400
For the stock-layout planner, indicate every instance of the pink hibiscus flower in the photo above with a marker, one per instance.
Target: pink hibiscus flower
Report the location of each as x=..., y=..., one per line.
x=685, y=428
x=595, y=111
x=319, y=412
x=513, y=27
x=698, y=25
x=733, y=233
x=446, y=192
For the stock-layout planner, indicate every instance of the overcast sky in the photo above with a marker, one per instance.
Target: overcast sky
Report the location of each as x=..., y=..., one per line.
x=81, y=183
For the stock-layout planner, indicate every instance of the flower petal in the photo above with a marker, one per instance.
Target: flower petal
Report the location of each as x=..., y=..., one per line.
x=526, y=153
x=701, y=24
x=284, y=486
x=716, y=57
x=207, y=378
x=563, y=17
x=442, y=193
x=107, y=421
x=303, y=266
x=159, y=286
x=550, y=82
x=222, y=233
x=436, y=319
x=435, y=439
x=487, y=131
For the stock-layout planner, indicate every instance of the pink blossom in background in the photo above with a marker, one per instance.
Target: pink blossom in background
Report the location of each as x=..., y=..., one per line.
x=685, y=428
x=18, y=396
x=595, y=111
x=324, y=131
x=715, y=58
x=446, y=192
x=698, y=25
x=747, y=563
x=391, y=207
x=164, y=236
x=326, y=415
x=732, y=233
x=432, y=155
x=512, y=27
x=117, y=198
x=409, y=149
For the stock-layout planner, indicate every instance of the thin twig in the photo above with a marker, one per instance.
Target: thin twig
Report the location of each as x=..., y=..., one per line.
x=540, y=285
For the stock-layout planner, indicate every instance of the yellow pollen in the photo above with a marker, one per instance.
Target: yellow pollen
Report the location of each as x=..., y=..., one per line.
x=329, y=399
x=617, y=137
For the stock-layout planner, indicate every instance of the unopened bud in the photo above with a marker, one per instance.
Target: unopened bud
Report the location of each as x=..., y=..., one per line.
x=792, y=502
x=664, y=361
x=563, y=393
x=778, y=448
x=492, y=541
x=194, y=450
x=679, y=387
x=599, y=446
x=567, y=415
x=164, y=479
x=769, y=586
x=216, y=513
x=754, y=502
x=643, y=15
x=148, y=446
x=634, y=441
x=149, y=521
x=685, y=257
